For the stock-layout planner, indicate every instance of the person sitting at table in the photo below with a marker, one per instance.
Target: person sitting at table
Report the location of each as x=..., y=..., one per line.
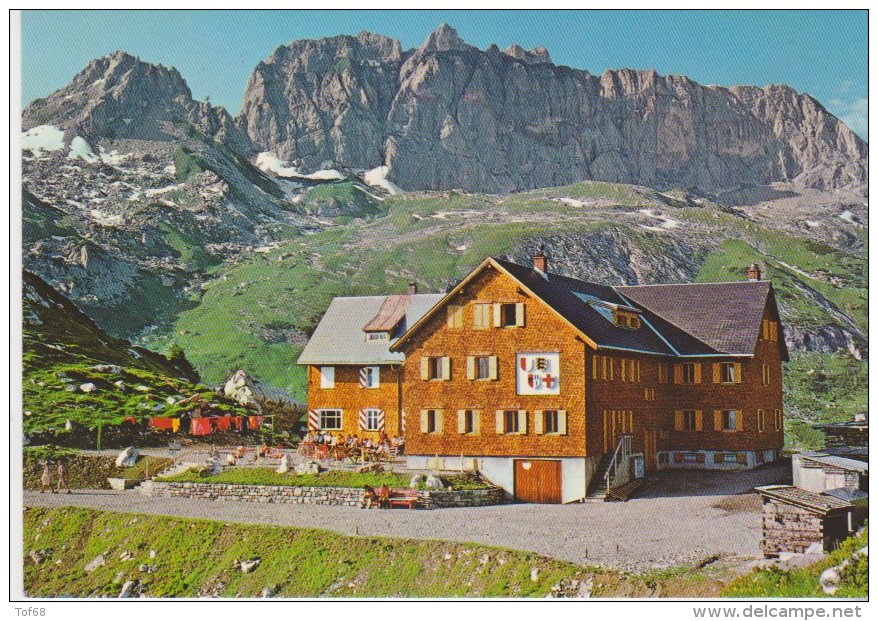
x=384, y=496
x=369, y=498
x=264, y=449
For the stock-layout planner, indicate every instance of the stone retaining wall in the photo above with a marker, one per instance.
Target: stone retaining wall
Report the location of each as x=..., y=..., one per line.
x=336, y=496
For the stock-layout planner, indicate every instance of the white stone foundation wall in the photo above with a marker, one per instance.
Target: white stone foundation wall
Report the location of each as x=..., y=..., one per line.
x=576, y=472
x=752, y=459
x=335, y=496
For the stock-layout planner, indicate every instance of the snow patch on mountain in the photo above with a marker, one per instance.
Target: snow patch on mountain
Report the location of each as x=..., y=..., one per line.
x=377, y=177
x=269, y=162
x=80, y=149
x=42, y=138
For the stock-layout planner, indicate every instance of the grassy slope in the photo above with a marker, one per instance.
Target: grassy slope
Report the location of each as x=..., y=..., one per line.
x=411, y=239
x=805, y=582
x=330, y=478
x=195, y=557
x=66, y=345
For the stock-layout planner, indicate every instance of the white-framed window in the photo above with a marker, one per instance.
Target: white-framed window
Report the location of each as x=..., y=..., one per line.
x=373, y=419
x=435, y=368
x=327, y=377
x=432, y=421
x=330, y=420
x=729, y=420
x=377, y=336
x=370, y=377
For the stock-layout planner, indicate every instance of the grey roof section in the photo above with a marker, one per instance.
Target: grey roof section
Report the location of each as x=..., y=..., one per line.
x=339, y=337
x=836, y=461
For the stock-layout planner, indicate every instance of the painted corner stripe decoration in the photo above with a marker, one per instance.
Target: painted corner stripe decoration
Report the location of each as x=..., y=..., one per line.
x=313, y=420
x=378, y=417
x=402, y=431
x=363, y=415
x=381, y=420
x=364, y=382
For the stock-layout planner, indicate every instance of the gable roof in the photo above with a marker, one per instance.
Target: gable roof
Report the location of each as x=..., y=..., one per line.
x=720, y=319
x=340, y=338
x=727, y=316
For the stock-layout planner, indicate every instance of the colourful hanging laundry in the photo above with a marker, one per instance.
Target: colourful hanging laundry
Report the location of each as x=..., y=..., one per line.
x=223, y=423
x=238, y=422
x=256, y=422
x=161, y=423
x=175, y=425
x=200, y=426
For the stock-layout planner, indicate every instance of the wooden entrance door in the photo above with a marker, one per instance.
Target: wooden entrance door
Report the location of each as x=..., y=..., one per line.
x=538, y=480
x=649, y=449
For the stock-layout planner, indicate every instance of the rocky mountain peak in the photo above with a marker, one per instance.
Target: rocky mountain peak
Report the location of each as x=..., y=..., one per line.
x=121, y=96
x=444, y=39
x=534, y=56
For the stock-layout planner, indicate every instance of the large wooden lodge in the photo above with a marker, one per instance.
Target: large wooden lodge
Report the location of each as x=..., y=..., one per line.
x=551, y=386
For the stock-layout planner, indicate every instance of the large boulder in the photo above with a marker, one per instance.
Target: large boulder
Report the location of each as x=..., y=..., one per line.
x=308, y=467
x=250, y=392
x=434, y=482
x=286, y=462
x=127, y=457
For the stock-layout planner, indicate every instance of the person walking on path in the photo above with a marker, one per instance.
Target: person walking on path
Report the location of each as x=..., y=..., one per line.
x=63, y=477
x=46, y=478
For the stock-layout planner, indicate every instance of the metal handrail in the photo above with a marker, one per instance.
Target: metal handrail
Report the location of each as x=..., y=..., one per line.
x=623, y=445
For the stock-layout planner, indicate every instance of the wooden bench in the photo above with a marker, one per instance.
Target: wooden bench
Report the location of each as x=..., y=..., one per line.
x=404, y=498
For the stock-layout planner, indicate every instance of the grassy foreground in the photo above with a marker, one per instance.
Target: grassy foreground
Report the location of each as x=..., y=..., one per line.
x=805, y=582
x=194, y=558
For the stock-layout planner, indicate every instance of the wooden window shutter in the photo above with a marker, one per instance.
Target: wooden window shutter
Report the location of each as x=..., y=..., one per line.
x=470, y=367
x=774, y=331
x=562, y=422
x=760, y=420
x=519, y=314
x=477, y=421
x=461, y=421
x=699, y=420
x=446, y=368
x=522, y=422
x=630, y=421
x=678, y=420
x=678, y=373
x=738, y=377
x=498, y=315
x=697, y=372
x=425, y=367
x=594, y=366
x=622, y=369
x=638, y=371
x=717, y=420
x=450, y=316
x=766, y=330
x=499, y=422
x=717, y=373
x=492, y=367
x=612, y=363
x=604, y=373
x=538, y=422
x=424, y=422
x=455, y=316
x=440, y=420
x=739, y=420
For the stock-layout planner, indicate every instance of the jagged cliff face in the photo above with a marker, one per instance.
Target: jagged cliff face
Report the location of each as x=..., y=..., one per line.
x=449, y=115
x=119, y=96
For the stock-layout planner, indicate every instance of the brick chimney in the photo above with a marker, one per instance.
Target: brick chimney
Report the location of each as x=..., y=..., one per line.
x=413, y=288
x=754, y=273
x=541, y=263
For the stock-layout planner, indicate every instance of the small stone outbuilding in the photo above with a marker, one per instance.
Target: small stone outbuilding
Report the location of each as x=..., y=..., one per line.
x=798, y=521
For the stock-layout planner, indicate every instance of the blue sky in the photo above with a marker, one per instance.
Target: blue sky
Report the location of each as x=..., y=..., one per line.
x=823, y=53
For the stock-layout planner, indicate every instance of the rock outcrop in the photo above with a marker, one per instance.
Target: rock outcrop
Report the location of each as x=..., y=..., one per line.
x=448, y=115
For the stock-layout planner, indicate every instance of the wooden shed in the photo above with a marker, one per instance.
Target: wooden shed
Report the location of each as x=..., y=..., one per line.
x=798, y=521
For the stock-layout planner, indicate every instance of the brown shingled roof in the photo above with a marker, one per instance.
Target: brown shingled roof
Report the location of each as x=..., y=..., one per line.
x=389, y=315
x=819, y=503
x=726, y=316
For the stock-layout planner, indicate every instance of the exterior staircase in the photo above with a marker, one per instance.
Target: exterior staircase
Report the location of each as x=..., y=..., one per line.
x=597, y=488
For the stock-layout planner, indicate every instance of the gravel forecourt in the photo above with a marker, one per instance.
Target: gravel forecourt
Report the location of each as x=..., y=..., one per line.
x=679, y=517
